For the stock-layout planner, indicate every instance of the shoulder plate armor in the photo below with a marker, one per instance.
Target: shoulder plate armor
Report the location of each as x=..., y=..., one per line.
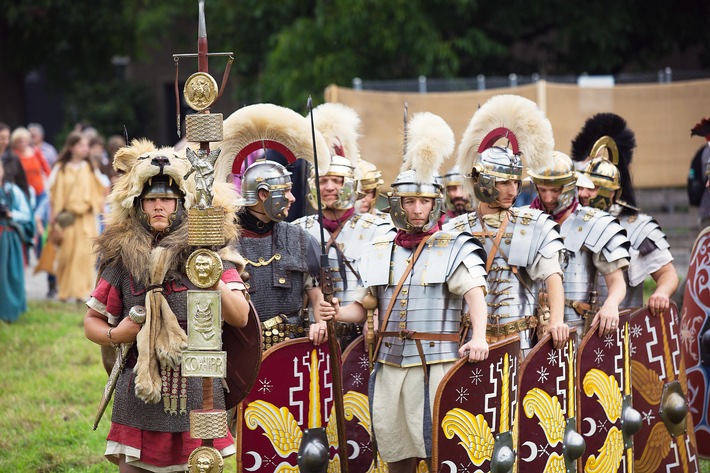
x=425, y=304
x=596, y=230
x=640, y=227
x=357, y=232
x=532, y=232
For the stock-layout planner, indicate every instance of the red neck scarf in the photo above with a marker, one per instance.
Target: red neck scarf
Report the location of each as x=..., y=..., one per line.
x=411, y=240
x=537, y=204
x=332, y=225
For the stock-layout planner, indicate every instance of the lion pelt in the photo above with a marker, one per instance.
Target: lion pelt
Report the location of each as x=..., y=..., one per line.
x=126, y=242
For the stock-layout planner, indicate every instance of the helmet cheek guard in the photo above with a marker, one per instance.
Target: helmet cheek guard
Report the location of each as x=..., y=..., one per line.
x=406, y=186
x=347, y=194
x=276, y=204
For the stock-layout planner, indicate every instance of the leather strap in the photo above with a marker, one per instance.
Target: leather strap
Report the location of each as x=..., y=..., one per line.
x=397, y=289
x=496, y=242
x=413, y=335
x=418, y=337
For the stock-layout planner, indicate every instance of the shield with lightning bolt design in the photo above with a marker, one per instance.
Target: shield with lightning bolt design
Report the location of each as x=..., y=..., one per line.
x=292, y=396
x=694, y=326
x=474, y=411
x=659, y=391
x=604, y=399
x=546, y=423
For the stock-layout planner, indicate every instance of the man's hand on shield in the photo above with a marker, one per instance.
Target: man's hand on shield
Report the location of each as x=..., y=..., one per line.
x=608, y=318
x=560, y=334
x=475, y=350
x=318, y=332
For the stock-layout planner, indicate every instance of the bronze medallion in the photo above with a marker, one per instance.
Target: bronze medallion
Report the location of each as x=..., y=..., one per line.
x=204, y=268
x=200, y=91
x=205, y=460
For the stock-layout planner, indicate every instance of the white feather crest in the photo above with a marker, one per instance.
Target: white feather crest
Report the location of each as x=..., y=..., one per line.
x=430, y=141
x=340, y=127
x=520, y=115
x=265, y=121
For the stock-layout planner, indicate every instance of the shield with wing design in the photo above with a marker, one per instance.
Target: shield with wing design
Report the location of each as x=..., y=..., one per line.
x=546, y=425
x=474, y=412
x=606, y=416
x=290, y=404
x=358, y=427
x=659, y=392
x=694, y=325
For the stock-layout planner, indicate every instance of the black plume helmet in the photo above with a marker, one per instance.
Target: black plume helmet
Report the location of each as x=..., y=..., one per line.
x=608, y=135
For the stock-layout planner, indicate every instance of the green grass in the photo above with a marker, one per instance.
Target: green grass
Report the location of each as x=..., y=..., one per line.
x=51, y=379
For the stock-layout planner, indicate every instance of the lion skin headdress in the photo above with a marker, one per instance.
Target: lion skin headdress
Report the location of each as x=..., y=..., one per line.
x=125, y=242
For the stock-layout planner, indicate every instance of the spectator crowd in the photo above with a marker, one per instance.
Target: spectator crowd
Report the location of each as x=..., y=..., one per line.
x=51, y=205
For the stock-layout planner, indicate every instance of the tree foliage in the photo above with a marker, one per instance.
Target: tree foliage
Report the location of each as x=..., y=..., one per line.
x=289, y=49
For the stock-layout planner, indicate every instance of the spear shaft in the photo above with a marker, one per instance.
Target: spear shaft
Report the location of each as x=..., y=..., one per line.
x=326, y=285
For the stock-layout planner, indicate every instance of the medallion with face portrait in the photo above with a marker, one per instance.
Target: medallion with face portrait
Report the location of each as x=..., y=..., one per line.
x=204, y=268
x=205, y=460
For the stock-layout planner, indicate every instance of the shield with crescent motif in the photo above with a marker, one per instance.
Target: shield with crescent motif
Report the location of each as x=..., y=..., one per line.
x=358, y=427
x=604, y=399
x=547, y=438
x=474, y=412
x=659, y=394
x=291, y=400
x=243, y=347
x=694, y=324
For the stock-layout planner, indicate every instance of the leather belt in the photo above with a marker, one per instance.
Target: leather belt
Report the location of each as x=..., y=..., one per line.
x=520, y=325
x=418, y=337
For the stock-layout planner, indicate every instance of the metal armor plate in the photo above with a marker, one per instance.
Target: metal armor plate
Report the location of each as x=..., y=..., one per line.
x=293, y=395
x=694, y=324
x=659, y=393
x=604, y=380
x=474, y=411
x=358, y=426
x=546, y=424
x=243, y=347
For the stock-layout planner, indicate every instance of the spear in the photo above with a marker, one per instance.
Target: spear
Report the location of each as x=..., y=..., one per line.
x=326, y=284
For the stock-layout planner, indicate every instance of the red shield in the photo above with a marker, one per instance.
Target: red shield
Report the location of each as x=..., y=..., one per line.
x=243, y=347
x=656, y=366
x=694, y=323
x=358, y=427
x=293, y=392
x=546, y=413
x=474, y=411
x=604, y=379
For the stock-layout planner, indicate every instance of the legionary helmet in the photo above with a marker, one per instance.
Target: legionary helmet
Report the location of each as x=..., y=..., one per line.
x=368, y=178
x=605, y=176
x=339, y=125
x=454, y=177
x=161, y=187
x=504, y=130
x=558, y=171
x=430, y=140
x=274, y=179
x=606, y=142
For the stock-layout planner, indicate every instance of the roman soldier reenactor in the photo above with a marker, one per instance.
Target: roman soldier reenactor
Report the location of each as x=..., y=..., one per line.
x=347, y=232
x=595, y=242
x=418, y=278
x=524, y=246
x=605, y=145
